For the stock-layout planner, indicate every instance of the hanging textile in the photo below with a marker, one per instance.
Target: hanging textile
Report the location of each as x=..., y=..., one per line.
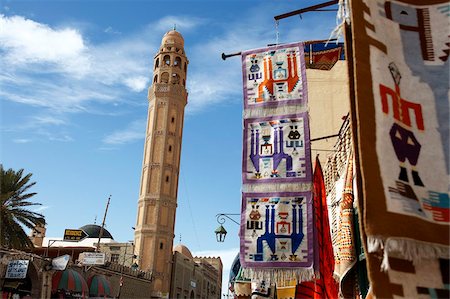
x=274, y=76
x=345, y=249
x=323, y=56
x=324, y=287
x=276, y=220
x=401, y=73
x=287, y=290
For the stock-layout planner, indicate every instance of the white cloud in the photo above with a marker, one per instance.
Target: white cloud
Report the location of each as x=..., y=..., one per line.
x=134, y=131
x=49, y=120
x=110, y=30
x=41, y=209
x=26, y=41
x=182, y=23
x=22, y=140
x=65, y=72
x=137, y=83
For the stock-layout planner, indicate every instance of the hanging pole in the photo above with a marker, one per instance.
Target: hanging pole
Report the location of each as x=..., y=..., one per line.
x=306, y=9
x=100, y=235
x=311, y=42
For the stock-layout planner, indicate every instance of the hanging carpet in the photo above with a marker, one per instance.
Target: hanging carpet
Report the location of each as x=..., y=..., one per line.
x=276, y=217
x=401, y=75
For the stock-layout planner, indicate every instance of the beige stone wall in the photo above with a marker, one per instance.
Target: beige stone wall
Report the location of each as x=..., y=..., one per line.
x=328, y=98
x=123, y=251
x=196, y=276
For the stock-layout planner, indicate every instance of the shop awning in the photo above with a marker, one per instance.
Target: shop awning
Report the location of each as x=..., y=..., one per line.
x=71, y=281
x=99, y=286
x=14, y=284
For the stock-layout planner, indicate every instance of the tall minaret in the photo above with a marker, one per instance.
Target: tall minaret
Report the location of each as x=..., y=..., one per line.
x=157, y=203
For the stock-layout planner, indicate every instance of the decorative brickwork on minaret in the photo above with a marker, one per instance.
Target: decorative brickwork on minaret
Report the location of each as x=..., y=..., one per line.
x=157, y=203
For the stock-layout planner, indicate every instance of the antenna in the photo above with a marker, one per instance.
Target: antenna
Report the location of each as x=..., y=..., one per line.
x=100, y=235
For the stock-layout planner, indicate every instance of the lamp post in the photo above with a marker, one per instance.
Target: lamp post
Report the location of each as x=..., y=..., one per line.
x=220, y=231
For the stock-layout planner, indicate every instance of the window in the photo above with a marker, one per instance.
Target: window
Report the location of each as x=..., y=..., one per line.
x=185, y=66
x=157, y=63
x=114, y=258
x=114, y=248
x=175, y=79
x=155, y=80
x=165, y=78
x=167, y=179
x=173, y=119
x=170, y=148
x=167, y=60
x=177, y=62
x=161, y=245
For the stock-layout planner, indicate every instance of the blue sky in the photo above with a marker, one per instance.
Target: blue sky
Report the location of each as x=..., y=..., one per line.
x=73, y=102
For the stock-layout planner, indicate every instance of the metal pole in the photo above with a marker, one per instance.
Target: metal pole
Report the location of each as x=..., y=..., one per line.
x=100, y=235
x=306, y=9
x=121, y=271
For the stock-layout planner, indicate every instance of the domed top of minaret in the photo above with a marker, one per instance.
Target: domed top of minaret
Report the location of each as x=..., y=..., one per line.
x=173, y=37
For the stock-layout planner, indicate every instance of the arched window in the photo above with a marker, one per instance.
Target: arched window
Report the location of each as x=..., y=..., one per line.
x=155, y=79
x=167, y=60
x=185, y=66
x=157, y=62
x=175, y=79
x=165, y=77
x=177, y=62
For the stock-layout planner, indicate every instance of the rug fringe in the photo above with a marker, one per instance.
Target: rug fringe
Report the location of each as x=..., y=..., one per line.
x=409, y=249
x=280, y=276
x=278, y=110
x=280, y=187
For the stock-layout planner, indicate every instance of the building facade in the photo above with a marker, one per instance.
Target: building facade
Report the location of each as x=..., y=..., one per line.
x=195, y=277
x=157, y=202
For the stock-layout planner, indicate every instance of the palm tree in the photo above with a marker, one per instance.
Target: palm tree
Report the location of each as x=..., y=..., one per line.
x=15, y=213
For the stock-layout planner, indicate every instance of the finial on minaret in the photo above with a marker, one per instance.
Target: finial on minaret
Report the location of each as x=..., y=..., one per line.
x=95, y=219
x=180, y=238
x=175, y=26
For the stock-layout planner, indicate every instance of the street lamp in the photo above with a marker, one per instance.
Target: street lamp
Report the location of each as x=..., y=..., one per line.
x=220, y=231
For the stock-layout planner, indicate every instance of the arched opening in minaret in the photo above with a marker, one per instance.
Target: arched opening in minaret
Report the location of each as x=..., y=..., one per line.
x=165, y=77
x=185, y=66
x=167, y=60
x=157, y=62
x=155, y=79
x=175, y=79
x=177, y=62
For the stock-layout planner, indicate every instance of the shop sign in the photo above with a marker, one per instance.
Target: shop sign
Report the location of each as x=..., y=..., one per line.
x=74, y=235
x=17, y=269
x=92, y=258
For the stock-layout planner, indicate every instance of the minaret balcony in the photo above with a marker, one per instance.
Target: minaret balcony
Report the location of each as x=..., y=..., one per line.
x=166, y=89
